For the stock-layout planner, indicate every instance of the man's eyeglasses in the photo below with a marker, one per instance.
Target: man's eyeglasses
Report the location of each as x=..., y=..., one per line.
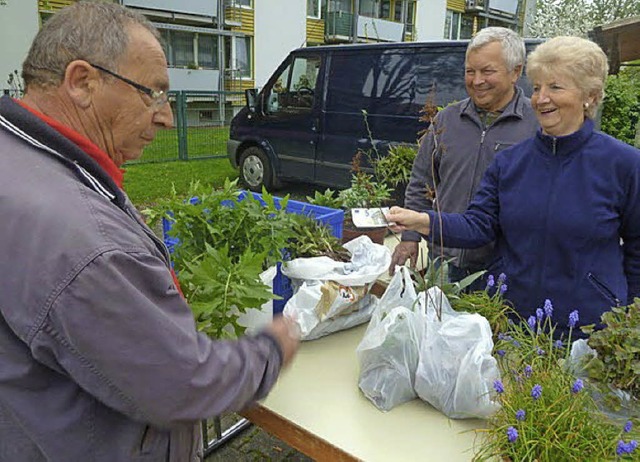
x=158, y=98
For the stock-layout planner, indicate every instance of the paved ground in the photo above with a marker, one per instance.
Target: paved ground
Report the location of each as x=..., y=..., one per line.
x=254, y=444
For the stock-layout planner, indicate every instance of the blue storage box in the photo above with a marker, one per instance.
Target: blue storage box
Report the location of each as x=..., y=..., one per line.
x=333, y=218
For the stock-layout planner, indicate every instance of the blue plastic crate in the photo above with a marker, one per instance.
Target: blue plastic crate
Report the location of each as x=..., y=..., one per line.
x=333, y=218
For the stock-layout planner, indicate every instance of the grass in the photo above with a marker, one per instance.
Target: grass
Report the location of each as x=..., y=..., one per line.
x=201, y=142
x=146, y=183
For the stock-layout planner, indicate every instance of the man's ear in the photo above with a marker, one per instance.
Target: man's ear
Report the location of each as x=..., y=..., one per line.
x=81, y=81
x=518, y=72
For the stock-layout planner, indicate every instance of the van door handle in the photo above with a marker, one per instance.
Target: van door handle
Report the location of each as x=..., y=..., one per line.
x=314, y=125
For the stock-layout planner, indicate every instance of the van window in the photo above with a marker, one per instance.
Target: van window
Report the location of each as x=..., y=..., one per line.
x=294, y=90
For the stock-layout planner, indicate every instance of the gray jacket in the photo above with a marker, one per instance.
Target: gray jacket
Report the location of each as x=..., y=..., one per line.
x=453, y=156
x=99, y=355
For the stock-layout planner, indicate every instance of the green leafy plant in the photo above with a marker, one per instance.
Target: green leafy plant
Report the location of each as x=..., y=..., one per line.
x=328, y=198
x=546, y=413
x=394, y=169
x=618, y=349
x=621, y=108
x=315, y=239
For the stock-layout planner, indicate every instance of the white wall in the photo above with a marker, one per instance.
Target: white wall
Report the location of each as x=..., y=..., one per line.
x=278, y=30
x=196, y=79
x=18, y=27
x=430, y=16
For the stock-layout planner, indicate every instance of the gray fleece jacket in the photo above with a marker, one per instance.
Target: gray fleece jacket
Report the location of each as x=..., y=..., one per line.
x=452, y=159
x=99, y=355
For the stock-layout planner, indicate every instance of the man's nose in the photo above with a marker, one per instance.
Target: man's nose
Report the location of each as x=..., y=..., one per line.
x=164, y=116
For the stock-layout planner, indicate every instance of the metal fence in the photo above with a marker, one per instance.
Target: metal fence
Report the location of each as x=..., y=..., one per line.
x=201, y=126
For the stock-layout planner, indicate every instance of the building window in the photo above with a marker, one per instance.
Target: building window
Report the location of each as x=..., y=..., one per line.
x=466, y=26
x=369, y=8
x=241, y=3
x=189, y=49
x=239, y=51
x=313, y=8
x=385, y=9
x=410, y=19
x=452, y=25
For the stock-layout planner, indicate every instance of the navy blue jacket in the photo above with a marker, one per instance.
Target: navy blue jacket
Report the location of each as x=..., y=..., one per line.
x=566, y=216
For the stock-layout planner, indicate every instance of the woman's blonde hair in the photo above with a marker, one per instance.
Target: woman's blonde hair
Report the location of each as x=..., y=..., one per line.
x=580, y=59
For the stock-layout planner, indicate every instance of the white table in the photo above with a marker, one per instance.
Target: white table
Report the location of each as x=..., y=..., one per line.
x=317, y=408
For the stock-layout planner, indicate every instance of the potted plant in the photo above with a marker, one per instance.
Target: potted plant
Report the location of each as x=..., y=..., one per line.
x=364, y=192
x=394, y=169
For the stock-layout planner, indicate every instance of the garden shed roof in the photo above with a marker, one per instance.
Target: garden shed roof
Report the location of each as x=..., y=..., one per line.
x=620, y=40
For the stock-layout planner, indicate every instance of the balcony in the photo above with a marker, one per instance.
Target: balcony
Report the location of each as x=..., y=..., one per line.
x=339, y=28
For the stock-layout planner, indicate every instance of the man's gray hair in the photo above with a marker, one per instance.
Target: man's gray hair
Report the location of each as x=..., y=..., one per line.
x=513, y=50
x=95, y=32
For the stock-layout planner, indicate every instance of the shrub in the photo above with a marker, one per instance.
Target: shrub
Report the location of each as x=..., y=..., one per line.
x=621, y=109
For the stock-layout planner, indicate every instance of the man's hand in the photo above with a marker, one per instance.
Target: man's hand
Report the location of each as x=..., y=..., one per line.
x=405, y=250
x=287, y=333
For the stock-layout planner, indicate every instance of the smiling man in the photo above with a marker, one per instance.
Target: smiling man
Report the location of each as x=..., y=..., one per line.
x=99, y=355
x=463, y=140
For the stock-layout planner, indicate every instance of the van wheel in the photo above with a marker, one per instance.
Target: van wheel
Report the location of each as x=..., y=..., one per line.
x=256, y=170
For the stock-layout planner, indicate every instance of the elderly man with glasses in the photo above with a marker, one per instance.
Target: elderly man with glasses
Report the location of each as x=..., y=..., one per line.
x=99, y=356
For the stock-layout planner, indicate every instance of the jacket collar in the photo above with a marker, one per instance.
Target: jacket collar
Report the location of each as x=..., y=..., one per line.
x=515, y=108
x=20, y=122
x=565, y=145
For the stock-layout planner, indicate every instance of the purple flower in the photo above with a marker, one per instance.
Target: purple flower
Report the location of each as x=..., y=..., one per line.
x=628, y=426
x=497, y=385
x=528, y=370
x=558, y=344
x=501, y=353
x=626, y=448
x=532, y=322
x=540, y=351
x=490, y=283
x=573, y=318
x=503, y=289
x=577, y=386
x=548, y=308
x=502, y=278
x=501, y=336
x=539, y=314
x=520, y=415
x=512, y=434
x=516, y=343
x=536, y=391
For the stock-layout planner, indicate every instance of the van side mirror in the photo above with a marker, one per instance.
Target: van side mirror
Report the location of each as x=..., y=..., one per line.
x=251, y=97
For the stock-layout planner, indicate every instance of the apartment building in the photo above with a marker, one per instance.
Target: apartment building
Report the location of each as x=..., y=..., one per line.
x=236, y=44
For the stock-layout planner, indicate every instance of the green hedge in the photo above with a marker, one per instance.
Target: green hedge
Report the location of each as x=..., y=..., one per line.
x=621, y=109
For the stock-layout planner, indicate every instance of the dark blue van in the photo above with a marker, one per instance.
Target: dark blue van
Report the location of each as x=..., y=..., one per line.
x=325, y=103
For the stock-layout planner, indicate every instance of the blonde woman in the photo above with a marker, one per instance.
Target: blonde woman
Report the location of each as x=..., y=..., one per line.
x=563, y=206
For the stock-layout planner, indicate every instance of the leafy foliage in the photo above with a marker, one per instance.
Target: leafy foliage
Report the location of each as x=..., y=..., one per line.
x=313, y=239
x=395, y=168
x=224, y=245
x=487, y=303
x=621, y=108
x=618, y=349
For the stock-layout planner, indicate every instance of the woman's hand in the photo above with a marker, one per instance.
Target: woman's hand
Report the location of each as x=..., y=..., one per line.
x=408, y=220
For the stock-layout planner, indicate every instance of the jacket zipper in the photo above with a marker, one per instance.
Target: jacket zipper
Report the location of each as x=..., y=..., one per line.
x=603, y=288
x=555, y=145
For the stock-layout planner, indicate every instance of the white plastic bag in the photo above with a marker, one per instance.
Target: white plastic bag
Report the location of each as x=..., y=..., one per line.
x=388, y=353
x=456, y=370
x=329, y=296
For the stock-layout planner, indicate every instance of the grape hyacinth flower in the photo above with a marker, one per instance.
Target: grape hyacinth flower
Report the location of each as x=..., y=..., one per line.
x=536, y=392
x=512, y=434
x=501, y=353
x=490, y=283
x=502, y=278
x=516, y=343
x=626, y=448
x=573, y=318
x=497, y=385
x=628, y=426
x=540, y=351
x=539, y=314
x=503, y=289
x=528, y=370
x=558, y=344
x=577, y=386
x=520, y=415
x=548, y=308
x=532, y=322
